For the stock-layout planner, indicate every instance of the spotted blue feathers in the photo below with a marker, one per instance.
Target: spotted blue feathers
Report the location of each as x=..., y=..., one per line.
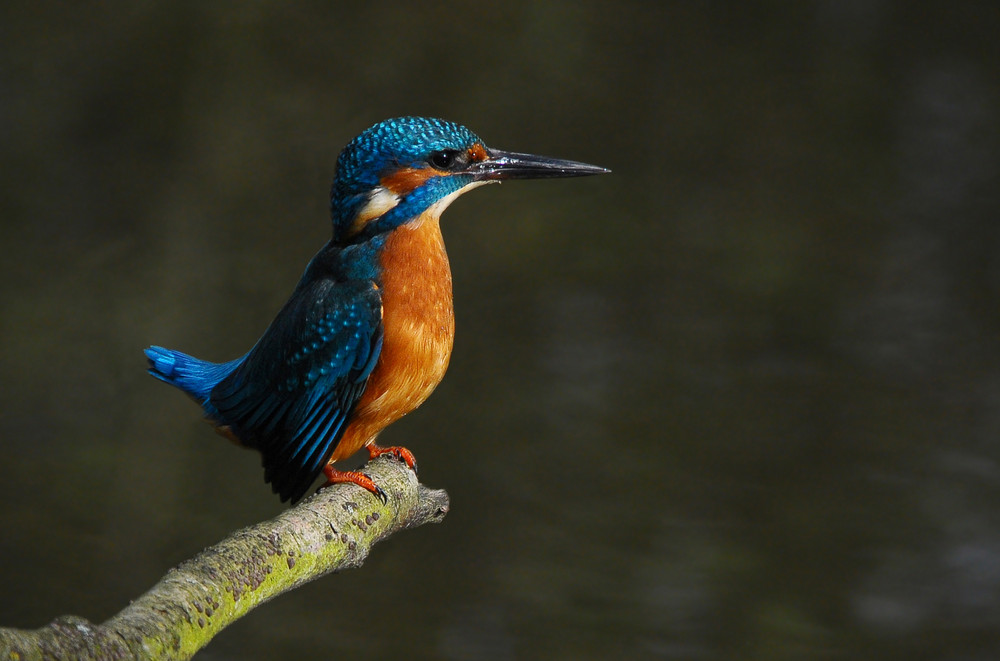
x=291, y=395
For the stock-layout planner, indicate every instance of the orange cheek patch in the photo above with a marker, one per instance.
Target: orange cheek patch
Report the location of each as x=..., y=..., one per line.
x=406, y=180
x=477, y=152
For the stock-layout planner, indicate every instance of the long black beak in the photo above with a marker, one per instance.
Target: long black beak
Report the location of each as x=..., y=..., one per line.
x=510, y=165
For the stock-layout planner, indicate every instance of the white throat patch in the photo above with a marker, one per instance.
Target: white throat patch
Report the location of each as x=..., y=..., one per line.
x=438, y=207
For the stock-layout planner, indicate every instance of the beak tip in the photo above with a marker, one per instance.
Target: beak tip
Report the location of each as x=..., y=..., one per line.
x=586, y=170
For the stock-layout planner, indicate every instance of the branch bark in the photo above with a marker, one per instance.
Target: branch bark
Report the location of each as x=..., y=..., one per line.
x=331, y=531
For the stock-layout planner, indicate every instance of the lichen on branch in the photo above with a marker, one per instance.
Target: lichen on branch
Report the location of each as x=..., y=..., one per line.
x=331, y=531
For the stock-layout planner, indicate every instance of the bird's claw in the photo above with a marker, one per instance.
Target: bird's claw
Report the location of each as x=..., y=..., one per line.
x=405, y=456
x=380, y=493
x=399, y=452
x=363, y=480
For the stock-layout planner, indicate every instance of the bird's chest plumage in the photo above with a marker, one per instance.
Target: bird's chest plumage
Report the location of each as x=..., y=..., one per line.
x=417, y=311
x=419, y=329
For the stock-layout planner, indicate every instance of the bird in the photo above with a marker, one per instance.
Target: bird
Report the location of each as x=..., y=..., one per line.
x=367, y=333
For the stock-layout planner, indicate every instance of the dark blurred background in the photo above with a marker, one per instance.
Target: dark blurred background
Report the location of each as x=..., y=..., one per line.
x=738, y=400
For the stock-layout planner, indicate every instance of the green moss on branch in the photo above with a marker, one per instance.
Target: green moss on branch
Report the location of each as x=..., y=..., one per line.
x=331, y=531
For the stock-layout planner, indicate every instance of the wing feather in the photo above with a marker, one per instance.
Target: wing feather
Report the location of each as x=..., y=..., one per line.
x=291, y=397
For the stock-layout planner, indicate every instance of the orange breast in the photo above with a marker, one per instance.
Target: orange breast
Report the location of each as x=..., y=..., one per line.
x=419, y=322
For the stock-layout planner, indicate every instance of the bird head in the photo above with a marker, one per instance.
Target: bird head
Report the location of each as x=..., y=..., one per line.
x=400, y=168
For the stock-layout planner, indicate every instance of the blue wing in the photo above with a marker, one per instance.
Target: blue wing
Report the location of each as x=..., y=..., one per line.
x=291, y=395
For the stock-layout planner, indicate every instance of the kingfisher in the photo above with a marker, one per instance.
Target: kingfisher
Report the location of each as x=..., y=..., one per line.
x=367, y=333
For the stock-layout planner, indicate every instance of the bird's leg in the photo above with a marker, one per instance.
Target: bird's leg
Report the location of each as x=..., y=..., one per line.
x=334, y=476
x=397, y=451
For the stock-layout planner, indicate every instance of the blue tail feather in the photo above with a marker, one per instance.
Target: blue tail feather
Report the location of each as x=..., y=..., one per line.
x=194, y=376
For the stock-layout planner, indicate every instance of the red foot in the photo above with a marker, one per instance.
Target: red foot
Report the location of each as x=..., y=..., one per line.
x=400, y=453
x=334, y=476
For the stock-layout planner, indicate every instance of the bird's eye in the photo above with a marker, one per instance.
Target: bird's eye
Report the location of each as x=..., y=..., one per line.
x=444, y=160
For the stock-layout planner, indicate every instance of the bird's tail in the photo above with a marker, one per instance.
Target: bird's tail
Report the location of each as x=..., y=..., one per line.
x=194, y=376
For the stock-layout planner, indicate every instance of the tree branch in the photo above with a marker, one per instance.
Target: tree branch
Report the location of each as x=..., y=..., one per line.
x=330, y=531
